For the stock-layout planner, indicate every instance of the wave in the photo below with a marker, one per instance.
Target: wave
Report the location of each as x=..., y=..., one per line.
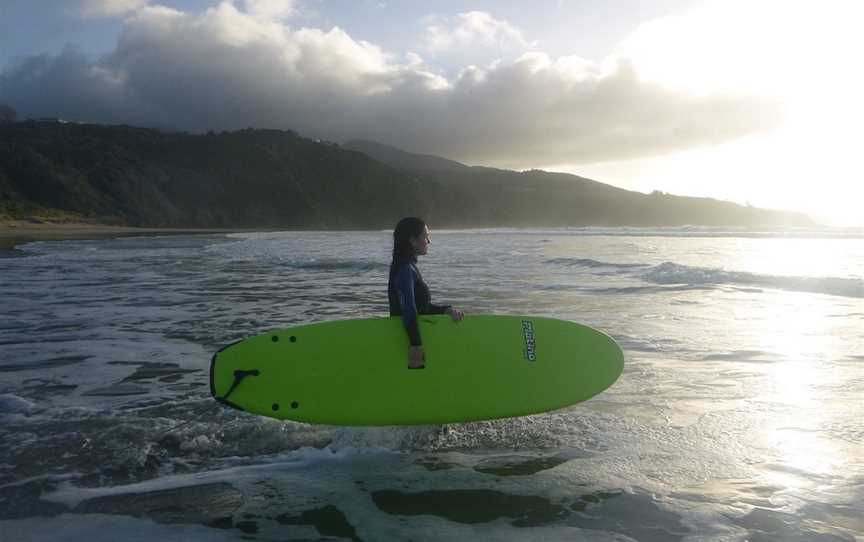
x=723, y=232
x=680, y=276
x=10, y=403
x=340, y=265
x=672, y=273
x=589, y=263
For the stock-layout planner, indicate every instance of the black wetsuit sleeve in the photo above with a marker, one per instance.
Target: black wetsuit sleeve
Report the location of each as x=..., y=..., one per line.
x=404, y=286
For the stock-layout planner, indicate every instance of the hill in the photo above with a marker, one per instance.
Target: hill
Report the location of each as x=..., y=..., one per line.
x=404, y=160
x=271, y=178
x=249, y=178
x=541, y=198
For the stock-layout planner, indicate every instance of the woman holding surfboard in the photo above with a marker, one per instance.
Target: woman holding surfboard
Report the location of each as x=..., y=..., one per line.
x=408, y=294
x=491, y=365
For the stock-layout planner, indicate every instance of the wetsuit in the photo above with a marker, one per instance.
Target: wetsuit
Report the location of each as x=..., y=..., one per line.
x=409, y=296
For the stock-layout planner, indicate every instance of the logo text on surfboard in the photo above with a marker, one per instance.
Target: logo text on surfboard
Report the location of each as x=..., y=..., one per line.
x=528, y=335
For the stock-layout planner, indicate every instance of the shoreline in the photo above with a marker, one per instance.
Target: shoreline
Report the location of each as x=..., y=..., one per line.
x=13, y=234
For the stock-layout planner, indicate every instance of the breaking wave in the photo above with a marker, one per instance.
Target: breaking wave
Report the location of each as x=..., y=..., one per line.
x=673, y=274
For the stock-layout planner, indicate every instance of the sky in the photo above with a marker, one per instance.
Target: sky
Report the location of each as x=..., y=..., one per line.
x=753, y=101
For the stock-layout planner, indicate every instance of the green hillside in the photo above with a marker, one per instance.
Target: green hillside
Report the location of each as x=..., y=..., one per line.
x=270, y=178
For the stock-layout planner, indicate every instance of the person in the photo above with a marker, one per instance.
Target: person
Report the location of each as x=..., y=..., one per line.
x=407, y=292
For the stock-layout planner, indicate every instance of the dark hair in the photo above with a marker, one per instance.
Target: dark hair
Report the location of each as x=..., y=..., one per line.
x=407, y=228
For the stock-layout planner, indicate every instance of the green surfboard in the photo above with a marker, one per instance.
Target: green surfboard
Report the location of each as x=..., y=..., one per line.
x=354, y=372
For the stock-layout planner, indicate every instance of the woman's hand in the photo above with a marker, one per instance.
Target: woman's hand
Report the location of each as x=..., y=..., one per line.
x=416, y=358
x=456, y=314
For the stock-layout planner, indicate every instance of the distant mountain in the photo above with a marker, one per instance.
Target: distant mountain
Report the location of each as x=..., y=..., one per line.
x=536, y=197
x=272, y=178
x=400, y=159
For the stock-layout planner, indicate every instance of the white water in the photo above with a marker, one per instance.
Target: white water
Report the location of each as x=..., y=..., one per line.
x=738, y=416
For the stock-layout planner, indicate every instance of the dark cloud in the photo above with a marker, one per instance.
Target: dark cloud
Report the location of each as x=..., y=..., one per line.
x=226, y=69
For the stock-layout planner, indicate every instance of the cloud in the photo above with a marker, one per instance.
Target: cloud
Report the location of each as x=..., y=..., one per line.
x=109, y=8
x=226, y=68
x=271, y=9
x=472, y=29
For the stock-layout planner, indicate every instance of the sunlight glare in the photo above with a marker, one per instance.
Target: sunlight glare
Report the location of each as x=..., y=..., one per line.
x=802, y=55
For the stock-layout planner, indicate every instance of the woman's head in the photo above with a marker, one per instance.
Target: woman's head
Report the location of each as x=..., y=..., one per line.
x=410, y=238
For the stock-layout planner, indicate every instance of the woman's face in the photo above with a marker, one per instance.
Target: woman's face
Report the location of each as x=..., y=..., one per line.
x=421, y=243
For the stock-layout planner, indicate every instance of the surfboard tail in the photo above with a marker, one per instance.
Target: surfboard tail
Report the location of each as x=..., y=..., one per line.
x=213, y=361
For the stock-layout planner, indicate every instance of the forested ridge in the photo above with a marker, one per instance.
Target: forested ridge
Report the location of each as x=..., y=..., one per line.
x=257, y=178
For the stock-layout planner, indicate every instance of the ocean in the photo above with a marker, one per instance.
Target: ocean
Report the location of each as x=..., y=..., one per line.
x=739, y=415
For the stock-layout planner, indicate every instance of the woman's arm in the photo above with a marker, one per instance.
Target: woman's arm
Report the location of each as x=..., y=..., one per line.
x=404, y=286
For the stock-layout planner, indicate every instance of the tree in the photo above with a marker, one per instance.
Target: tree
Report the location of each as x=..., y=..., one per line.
x=7, y=114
